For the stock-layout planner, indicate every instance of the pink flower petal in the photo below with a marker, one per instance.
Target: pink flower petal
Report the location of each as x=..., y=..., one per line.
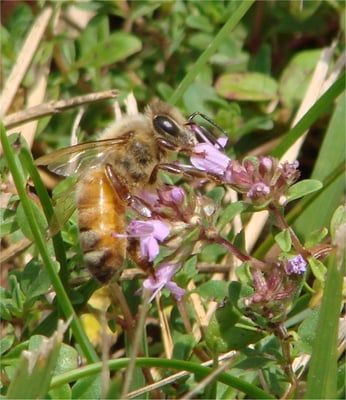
x=208, y=158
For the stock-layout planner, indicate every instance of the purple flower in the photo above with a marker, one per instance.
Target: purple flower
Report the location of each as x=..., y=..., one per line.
x=162, y=278
x=171, y=195
x=207, y=157
x=296, y=265
x=258, y=189
x=149, y=233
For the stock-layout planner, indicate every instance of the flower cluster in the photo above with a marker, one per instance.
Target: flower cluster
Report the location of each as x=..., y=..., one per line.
x=173, y=215
x=261, y=179
x=274, y=288
x=296, y=265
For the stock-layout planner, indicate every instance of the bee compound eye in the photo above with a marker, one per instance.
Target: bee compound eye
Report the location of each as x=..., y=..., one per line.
x=166, y=125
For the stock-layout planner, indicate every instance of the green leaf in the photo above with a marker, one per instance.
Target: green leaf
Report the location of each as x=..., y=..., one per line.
x=89, y=387
x=250, y=86
x=216, y=290
x=306, y=11
x=316, y=237
x=8, y=222
x=200, y=22
x=38, y=215
x=229, y=212
x=224, y=317
x=114, y=48
x=307, y=331
x=12, y=300
x=61, y=392
x=338, y=222
x=318, y=269
x=283, y=239
x=183, y=346
x=223, y=335
x=199, y=94
x=35, y=280
x=6, y=343
x=296, y=77
x=35, y=369
x=303, y=188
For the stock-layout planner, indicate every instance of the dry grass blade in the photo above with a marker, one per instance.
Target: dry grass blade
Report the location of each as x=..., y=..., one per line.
x=24, y=59
x=54, y=107
x=14, y=250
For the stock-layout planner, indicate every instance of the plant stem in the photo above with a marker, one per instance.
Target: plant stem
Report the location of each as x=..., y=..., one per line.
x=283, y=225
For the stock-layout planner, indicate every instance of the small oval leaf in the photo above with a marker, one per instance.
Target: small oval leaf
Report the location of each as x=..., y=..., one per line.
x=303, y=188
x=251, y=86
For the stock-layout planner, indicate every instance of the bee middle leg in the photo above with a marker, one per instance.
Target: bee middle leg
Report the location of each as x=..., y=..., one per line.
x=118, y=185
x=124, y=194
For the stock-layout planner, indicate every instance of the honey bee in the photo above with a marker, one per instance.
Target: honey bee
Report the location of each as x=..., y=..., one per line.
x=112, y=171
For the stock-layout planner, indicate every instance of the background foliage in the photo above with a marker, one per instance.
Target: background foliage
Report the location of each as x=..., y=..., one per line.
x=247, y=66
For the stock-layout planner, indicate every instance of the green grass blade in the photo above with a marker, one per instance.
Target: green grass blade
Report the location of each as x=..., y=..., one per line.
x=40, y=241
x=26, y=159
x=232, y=22
x=331, y=155
x=250, y=390
x=322, y=378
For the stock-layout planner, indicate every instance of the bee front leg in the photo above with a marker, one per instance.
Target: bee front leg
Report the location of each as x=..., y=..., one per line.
x=185, y=170
x=171, y=146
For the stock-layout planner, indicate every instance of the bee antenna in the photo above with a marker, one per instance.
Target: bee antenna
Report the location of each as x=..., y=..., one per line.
x=210, y=120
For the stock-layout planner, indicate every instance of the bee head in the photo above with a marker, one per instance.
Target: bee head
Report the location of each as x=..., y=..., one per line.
x=170, y=124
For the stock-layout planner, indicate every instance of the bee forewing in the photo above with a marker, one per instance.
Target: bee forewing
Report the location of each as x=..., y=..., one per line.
x=72, y=160
x=65, y=205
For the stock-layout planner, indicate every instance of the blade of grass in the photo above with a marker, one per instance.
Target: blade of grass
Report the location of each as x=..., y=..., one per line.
x=26, y=160
x=232, y=22
x=331, y=154
x=40, y=241
x=250, y=390
x=322, y=378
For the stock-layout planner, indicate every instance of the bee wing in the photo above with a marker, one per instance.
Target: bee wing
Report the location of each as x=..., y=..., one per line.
x=72, y=160
x=64, y=206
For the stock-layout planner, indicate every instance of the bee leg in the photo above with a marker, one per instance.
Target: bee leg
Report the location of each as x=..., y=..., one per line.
x=184, y=170
x=119, y=187
x=171, y=146
x=133, y=246
x=124, y=194
x=133, y=249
